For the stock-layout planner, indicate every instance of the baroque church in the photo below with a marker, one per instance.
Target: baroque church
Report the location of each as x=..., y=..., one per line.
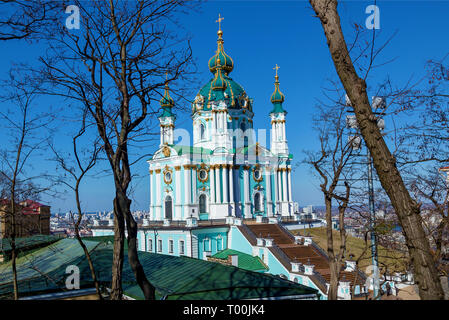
x=225, y=172
x=226, y=198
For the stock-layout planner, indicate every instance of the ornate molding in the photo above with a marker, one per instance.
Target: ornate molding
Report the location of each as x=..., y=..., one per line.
x=255, y=168
x=203, y=169
x=168, y=178
x=166, y=151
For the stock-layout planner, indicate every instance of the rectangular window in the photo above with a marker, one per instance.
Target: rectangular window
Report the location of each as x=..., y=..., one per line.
x=159, y=243
x=170, y=247
x=219, y=244
x=206, y=245
x=150, y=245
x=181, y=247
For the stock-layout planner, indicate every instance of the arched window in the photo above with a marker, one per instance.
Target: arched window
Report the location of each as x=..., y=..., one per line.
x=168, y=208
x=243, y=126
x=202, y=131
x=257, y=204
x=202, y=201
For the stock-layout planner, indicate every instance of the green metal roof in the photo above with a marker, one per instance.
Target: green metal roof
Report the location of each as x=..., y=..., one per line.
x=28, y=242
x=173, y=277
x=245, y=261
x=191, y=150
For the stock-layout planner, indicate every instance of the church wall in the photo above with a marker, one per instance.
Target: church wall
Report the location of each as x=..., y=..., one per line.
x=213, y=235
x=238, y=241
x=165, y=235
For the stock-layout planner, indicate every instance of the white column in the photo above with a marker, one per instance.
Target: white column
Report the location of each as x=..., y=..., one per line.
x=279, y=187
x=158, y=213
x=194, y=180
x=277, y=131
x=276, y=188
x=177, y=213
x=151, y=196
x=268, y=193
x=187, y=186
x=246, y=192
x=162, y=135
x=225, y=183
x=283, y=132
x=289, y=176
x=231, y=184
x=212, y=185
x=217, y=184
x=284, y=184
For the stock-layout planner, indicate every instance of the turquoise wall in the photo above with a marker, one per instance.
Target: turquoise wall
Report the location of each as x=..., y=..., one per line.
x=212, y=236
x=239, y=242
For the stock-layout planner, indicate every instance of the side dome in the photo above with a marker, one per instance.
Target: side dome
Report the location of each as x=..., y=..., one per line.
x=277, y=96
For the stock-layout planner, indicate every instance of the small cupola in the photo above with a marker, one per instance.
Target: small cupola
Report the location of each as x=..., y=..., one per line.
x=167, y=103
x=277, y=98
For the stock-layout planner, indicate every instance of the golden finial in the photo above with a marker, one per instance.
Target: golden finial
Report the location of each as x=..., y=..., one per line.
x=276, y=68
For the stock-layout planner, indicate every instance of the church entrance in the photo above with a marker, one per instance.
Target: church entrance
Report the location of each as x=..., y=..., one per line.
x=168, y=208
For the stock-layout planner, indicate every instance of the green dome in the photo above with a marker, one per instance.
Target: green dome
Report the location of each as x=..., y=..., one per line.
x=232, y=91
x=221, y=58
x=277, y=98
x=167, y=103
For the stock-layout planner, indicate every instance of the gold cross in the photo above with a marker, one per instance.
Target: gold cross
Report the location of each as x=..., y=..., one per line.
x=219, y=21
x=276, y=68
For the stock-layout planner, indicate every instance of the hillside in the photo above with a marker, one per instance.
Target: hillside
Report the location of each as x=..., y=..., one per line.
x=390, y=259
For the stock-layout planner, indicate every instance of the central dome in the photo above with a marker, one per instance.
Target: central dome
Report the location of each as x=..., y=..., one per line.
x=233, y=91
x=221, y=86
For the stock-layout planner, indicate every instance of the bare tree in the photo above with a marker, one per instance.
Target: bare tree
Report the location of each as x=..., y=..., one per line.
x=78, y=171
x=335, y=167
x=27, y=19
x=406, y=208
x=25, y=127
x=116, y=68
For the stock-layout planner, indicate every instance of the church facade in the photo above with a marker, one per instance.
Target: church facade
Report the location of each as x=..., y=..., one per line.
x=227, y=194
x=225, y=172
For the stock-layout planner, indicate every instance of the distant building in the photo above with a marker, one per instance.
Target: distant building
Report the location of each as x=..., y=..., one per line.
x=32, y=218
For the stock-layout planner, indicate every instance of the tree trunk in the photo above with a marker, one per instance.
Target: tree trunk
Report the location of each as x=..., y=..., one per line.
x=117, y=258
x=407, y=210
x=13, y=237
x=131, y=225
x=333, y=284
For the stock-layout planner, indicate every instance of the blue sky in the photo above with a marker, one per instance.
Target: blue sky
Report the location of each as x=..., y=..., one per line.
x=260, y=34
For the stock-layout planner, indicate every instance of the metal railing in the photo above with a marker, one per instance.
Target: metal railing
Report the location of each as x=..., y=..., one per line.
x=281, y=256
x=252, y=238
x=319, y=279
